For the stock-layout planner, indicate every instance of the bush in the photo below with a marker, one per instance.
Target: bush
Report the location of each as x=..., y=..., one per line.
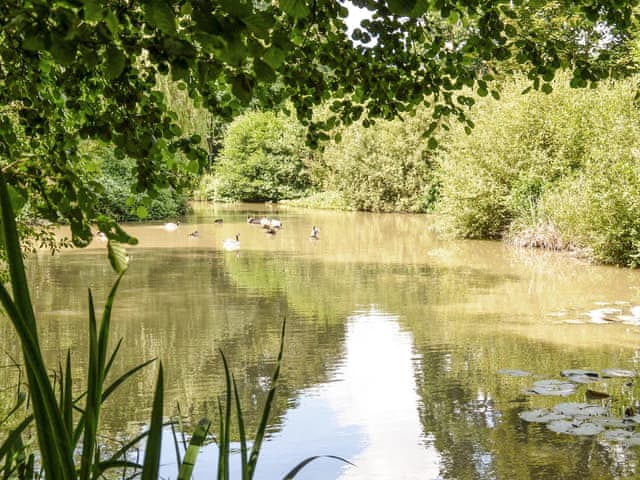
x=264, y=158
x=117, y=198
x=383, y=168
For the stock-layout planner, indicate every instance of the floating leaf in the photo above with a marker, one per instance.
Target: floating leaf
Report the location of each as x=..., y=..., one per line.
x=573, y=409
x=553, y=388
x=622, y=436
x=576, y=372
x=582, y=379
x=540, y=416
x=609, y=422
x=617, y=372
x=575, y=428
x=514, y=372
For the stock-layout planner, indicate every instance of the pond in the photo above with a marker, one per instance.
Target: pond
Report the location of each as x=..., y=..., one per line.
x=412, y=355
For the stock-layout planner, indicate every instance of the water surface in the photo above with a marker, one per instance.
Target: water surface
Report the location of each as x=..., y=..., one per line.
x=395, y=340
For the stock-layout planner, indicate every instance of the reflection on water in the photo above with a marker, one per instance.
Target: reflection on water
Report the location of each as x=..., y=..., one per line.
x=394, y=340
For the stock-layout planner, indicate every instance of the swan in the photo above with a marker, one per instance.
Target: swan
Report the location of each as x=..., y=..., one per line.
x=276, y=223
x=171, y=227
x=231, y=244
x=252, y=220
x=101, y=236
x=315, y=233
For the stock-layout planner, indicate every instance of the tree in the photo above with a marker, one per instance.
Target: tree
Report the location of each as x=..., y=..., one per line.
x=78, y=69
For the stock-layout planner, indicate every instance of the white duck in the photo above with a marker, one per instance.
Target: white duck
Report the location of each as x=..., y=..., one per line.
x=232, y=244
x=171, y=227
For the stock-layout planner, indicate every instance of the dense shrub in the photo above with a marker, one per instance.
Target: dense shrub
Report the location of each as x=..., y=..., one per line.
x=536, y=166
x=117, y=200
x=385, y=167
x=264, y=158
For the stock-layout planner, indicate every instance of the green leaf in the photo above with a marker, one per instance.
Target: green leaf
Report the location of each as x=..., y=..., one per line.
x=263, y=71
x=547, y=88
x=114, y=63
x=196, y=442
x=274, y=57
x=118, y=256
x=402, y=7
x=142, y=212
x=151, y=467
x=92, y=10
x=260, y=24
x=432, y=144
x=160, y=14
x=113, y=24
x=295, y=8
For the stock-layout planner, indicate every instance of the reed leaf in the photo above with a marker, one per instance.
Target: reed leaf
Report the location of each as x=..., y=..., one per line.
x=295, y=470
x=92, y=404
x=191, y=455
x=151, y=466
x=56, y=449
x=122, y=378
x=241, y=431
x=66, y=393
x=257, y=444
x=226, y=440
x=20, y=400
x=14, y=436
x=223, y=445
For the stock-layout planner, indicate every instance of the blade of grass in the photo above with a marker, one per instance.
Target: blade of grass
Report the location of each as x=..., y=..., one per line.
x=151, y=466
x=191, y=455
x=226, y=441
x=295, y=470
x=257, y=444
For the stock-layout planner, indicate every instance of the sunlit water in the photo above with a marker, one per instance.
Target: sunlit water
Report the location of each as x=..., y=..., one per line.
x=395, y=342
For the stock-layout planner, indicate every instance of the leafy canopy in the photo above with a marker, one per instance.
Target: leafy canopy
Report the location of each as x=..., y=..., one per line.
x=87, y=69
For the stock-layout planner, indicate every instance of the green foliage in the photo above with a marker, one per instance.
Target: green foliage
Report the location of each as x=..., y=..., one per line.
x=117, y=197
x=560, y=167
x=94, y=68
x=386, y=167
x=264, y=158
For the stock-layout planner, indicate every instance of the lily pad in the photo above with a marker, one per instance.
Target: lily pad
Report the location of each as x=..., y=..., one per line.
x=540, y=416
x=514, y=372
x=623, y=436
x=553, y=388
x=575, y=427
x=574, y=409
x=573, y=372
x=618, y=372
x=583, y=379
x=609, y=422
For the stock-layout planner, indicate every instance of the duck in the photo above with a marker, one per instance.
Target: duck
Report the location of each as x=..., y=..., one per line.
x=171, y=227
x=194, y=234
x=276, y=223
x=218, y=221
x=269, y=230
x=231, y=244
x=315, y=233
